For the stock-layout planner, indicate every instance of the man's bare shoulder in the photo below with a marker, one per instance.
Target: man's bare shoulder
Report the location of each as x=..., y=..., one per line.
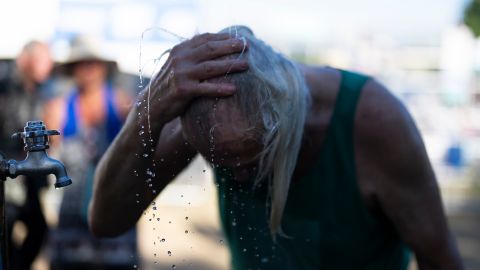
x=381, y=118
x=386, y=136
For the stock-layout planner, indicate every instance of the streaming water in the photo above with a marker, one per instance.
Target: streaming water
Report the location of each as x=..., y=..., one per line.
x=156, y=61
x=145, y=132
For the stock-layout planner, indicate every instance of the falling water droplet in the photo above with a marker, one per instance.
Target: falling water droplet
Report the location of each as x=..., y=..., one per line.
x=244, y=250
x=163, y=240
x=169, y=253
x=186, y=231
x=186, y=218
x=141, y=132
x=174, y=266
x=220, y=241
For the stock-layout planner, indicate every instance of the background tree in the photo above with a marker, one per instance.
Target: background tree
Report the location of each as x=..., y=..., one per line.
x=471, y=17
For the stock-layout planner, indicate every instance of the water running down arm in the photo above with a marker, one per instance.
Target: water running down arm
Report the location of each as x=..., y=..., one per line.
x=114, y=208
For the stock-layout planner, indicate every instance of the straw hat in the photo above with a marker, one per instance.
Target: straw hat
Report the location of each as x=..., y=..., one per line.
x=85, y=48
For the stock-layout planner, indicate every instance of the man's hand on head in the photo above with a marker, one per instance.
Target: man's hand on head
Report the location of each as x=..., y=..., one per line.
x=186, y=73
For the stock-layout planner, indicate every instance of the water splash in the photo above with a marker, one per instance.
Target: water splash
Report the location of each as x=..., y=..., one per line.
x=140, y=67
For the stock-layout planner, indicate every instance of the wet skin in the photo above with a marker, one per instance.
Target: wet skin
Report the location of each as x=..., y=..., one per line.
x=393, y=171
x=229, y=142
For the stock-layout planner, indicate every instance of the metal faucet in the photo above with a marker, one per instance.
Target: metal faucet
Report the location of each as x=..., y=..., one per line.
x=37, y=162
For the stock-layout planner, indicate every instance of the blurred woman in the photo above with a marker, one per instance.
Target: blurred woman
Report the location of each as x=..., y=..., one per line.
x=88, y=118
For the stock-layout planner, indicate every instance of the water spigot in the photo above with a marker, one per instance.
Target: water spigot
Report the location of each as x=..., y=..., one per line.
x=35, y=136
x=37, y=162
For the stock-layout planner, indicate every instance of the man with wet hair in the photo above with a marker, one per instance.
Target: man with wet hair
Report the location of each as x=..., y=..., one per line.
x=317, y=168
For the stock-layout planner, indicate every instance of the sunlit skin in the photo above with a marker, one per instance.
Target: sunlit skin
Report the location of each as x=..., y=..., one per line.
x=394, y=175
x=35, y=64
x=42, y=63
x=89, y=77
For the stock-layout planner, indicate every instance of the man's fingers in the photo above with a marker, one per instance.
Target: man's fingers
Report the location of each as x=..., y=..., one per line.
x=206, y=37
x=212, y=69
x=215, y=49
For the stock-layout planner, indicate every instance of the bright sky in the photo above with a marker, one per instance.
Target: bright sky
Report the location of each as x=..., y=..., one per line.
x=295, y=20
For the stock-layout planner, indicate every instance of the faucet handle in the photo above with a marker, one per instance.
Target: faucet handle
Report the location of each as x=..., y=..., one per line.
x=35, y=135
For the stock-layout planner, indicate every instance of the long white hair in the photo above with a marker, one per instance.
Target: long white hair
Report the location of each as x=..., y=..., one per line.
x=274, y=98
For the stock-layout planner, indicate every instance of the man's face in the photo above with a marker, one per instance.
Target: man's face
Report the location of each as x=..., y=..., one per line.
x=42, y=63
x=36, y=63
x=223, y=136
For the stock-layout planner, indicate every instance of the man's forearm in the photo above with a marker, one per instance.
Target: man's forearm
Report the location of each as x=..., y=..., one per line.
x=116, y=189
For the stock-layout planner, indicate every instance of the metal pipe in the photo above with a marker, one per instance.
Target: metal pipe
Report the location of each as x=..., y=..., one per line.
x=37, y=163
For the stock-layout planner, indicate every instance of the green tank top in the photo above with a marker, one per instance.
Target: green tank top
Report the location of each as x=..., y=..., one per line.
x=326, y=220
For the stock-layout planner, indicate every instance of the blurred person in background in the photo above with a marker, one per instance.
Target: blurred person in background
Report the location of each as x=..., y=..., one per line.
x=316, y=167
x=88, y=118
x=22, y=92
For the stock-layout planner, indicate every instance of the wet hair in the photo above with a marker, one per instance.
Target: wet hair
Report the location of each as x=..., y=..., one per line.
x=273, y=96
